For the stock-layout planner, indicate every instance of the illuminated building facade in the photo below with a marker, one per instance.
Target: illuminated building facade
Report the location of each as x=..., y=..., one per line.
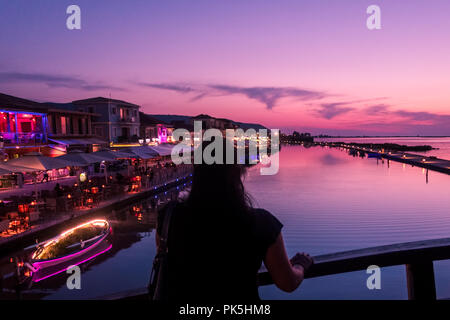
x=117, y=121
x=154, y=130
x=49, y=128
x=23, y=126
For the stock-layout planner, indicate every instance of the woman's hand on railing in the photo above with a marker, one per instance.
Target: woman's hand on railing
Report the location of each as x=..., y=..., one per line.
x=302, y=259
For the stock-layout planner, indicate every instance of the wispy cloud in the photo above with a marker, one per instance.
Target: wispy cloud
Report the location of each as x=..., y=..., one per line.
x=363, y=112
x=54, y=81
x=376, y=109
x=423, y=116
x=386, y=118
x=401, y=114
x=269, y=96
x=170, y=87
x=331, y=110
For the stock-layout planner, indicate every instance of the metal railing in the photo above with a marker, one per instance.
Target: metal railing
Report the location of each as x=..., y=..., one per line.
x=24, y=139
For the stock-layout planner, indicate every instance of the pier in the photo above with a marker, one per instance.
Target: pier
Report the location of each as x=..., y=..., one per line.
x=417, y=160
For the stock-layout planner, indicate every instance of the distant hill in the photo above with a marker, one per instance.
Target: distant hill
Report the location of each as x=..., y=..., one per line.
x=186, y=119
x=246, y=126
x=171, y=117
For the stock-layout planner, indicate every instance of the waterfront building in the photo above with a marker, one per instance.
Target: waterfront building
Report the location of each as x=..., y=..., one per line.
x=154, y=130
x=117, y=121
x=209, y=122
x=49, y=128
x=23, y=126
x=70, y=128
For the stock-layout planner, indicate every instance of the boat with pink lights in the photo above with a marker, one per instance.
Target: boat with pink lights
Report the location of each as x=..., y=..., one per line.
x=71, y=246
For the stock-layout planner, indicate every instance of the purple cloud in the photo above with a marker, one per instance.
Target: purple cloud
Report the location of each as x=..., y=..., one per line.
x=170, y=87
x=331, y=110
x=54, y=81
x=385, y=110
x=423, y=116
x=377, y=109
x=269, y=96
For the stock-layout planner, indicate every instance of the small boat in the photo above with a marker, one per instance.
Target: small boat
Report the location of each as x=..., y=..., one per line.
x=70, y=245
x=374, y=155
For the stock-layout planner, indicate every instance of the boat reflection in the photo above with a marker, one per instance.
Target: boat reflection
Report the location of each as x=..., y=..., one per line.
x=43, y=273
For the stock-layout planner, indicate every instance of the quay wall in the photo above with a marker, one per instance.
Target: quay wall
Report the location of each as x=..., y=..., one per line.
x=53, y=228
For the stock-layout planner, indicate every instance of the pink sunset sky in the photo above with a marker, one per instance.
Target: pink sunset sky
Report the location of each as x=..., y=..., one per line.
x=294, y=65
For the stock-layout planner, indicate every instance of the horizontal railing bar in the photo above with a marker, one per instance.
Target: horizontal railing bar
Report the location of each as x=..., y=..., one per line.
x=348, y=261
x=382, y=256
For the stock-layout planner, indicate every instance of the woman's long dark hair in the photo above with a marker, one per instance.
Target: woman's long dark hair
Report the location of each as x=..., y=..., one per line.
x=217, y=189
x=210, y=255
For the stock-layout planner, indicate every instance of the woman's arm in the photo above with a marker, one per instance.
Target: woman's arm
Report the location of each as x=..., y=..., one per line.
x=286, y=276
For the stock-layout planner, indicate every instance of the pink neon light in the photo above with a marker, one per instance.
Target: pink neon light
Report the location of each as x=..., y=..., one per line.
x=68, y=257
x=76, y=264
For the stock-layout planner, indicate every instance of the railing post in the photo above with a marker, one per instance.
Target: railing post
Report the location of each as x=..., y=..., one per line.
x=420, y=280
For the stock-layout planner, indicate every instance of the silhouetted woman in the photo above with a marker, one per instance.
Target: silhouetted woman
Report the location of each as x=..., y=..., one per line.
x=217, y=241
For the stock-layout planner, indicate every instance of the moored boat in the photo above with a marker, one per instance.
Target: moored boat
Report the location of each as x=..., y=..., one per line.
x=71, y=244
x=374, y=155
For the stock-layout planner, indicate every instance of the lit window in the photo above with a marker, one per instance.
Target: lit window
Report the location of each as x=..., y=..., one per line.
x=63, y=125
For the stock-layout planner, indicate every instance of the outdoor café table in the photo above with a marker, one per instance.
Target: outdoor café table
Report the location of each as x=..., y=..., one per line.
x=15, y=225
x=94, y=190
x=90, y=202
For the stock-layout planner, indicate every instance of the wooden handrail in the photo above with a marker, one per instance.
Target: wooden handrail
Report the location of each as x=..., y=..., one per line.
x=418, y=257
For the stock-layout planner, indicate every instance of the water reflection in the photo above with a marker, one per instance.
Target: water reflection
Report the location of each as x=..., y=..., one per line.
x=330, y=201
x=327, y=200
x=132, y=226
x=329, y=159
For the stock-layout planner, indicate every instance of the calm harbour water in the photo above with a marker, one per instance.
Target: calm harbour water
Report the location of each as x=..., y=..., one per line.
x=441, y=145
x=328, y=201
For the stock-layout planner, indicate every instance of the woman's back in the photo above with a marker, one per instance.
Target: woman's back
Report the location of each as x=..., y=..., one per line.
x=217, y=241
x=215, y=255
